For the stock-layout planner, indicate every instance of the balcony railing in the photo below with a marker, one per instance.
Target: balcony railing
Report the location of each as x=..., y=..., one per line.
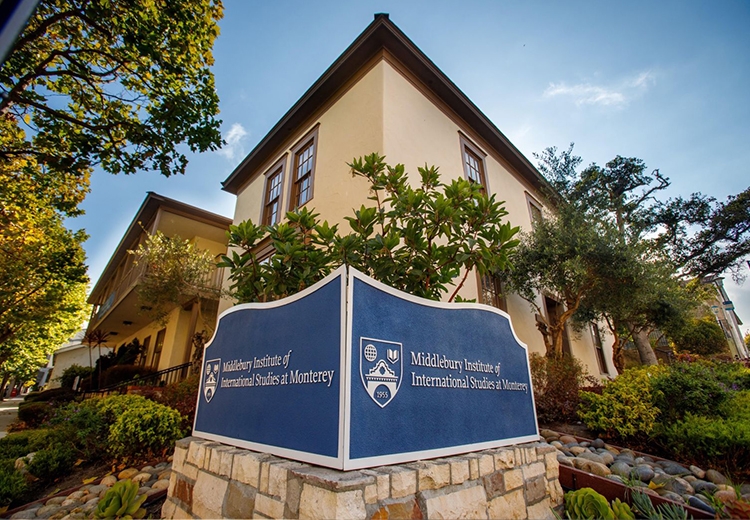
x=212, y=281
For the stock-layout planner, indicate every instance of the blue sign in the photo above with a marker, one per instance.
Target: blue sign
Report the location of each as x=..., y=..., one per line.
x=351, y=373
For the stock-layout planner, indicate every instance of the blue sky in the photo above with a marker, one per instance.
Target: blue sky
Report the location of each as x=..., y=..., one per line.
x=664, y=81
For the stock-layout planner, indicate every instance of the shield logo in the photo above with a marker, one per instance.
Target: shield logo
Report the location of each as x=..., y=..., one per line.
x=380, y=368
x=211, y=378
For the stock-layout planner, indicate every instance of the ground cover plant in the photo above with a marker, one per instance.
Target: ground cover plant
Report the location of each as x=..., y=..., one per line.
x=694, y=411
x=117, y=428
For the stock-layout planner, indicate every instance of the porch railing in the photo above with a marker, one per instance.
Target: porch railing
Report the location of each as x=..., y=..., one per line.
x=160, y=378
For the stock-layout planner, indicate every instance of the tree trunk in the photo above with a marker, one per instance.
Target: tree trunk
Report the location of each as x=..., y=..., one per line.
x=646, y=353
x=2, y=387
x=618, y=358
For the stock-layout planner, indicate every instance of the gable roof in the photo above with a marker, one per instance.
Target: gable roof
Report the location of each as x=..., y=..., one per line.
x=380, y=34
x=151, y=204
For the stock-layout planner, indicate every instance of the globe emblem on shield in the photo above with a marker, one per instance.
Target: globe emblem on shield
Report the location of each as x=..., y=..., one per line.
x=380, y=368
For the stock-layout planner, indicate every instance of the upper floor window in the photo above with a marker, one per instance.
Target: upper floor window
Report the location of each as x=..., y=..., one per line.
x=303, y=173
x=272, y=194
x=535, y=209
x=492, y=292
x=475, y=169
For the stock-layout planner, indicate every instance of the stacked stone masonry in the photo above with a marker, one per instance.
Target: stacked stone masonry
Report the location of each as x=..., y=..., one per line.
x=212, y=480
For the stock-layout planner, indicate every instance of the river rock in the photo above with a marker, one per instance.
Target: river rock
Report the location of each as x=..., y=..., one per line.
x=699, y=473
x=701, y=485
x=55, y=501
x=557, y=444
x=77, y=494
x=598, y=443
x=568, y=439
x=127, y=473
x=644, y=472
x=607, y=457
x=697, y=503
x=565, y=461
x=671, y=495
x=690, y=478
x=108, y=481
x=95, y=490
x=71, y=502
x=616, y=478
x=24, y=514
x=679, y=486
x=725, y=495
x=714, y=476
x=165, y=474
x=161, y=484
x=592, y=467
x=143, y=477
x=47, y=511
x=591, y=456
x=577, y=450
x=621, y=469
x=672, y=468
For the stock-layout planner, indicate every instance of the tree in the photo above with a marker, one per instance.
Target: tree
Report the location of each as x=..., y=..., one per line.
x=119, y=84
x=176, y=273
x=423, y=240
x=662, y=232
x=702, y=336
x=570, y=255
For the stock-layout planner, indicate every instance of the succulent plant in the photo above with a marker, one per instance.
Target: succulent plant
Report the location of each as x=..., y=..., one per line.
x=585, y=503
x=622, y=510
x=737, y=508
x=121, y=502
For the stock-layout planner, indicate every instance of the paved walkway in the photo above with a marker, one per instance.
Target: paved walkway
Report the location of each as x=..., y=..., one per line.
x=8, y=413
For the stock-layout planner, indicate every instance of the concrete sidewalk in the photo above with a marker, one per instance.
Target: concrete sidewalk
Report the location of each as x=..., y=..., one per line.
x=8, y=413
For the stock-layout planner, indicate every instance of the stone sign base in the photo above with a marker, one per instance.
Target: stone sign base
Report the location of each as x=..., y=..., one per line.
x=212, y=480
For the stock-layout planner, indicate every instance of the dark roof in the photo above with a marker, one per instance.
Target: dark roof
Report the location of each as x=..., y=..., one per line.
x=380, y=34
x=145, y=214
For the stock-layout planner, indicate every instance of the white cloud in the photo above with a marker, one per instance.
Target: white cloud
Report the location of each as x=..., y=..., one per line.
x=234, y=148
x=615, y=95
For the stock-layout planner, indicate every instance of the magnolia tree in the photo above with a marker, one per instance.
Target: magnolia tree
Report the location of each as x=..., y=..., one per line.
x=424, y=240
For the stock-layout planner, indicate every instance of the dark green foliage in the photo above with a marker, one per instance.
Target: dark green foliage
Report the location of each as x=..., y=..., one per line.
x=53, y=462
x=557, y=383
x=121, y=373
x=13, y=485
x=701, y=336
x=688, y=388
x=33, y=413
x=418, y=240
x=59, y=395
x=181, y=396
x=83, y=424
x=69, y=375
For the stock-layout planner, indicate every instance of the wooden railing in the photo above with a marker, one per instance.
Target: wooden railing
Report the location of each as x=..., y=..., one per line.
x=160, y=378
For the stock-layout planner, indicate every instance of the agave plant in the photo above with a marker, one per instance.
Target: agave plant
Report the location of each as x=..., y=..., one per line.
x=121, y=502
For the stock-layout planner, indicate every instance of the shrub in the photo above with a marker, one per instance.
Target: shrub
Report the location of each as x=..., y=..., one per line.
x=84, y=424
x=701, y=336
x=69, y=375
x=12, y=484
x=121, y=373
x=53, y=462
x=735, y=375
x=625, y=408
x=141, y=427
x=722, y=443
x=34, y=413
x=181, y=396
x=737, y=407
x=688, y=388
x=557, y=383
x=58, y=395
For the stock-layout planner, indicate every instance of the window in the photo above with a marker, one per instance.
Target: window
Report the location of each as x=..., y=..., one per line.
x=144, y=352
x=599, y=348
x=535, y=209
x=303, y=173
x=158, y=345
x=473, y=160
x=272, y=194
x=492, y=292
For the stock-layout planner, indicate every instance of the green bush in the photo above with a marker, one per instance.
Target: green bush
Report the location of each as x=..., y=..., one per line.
x=59, y=395
x=13, y=485
x=69, y=375
x=735, y=375
x=684, y=388
x=34, y=413
x=141, y=426
x=19, y=444
x=737, y=407
x=53, y=462
x=557, y=383
x=181, y=396
x=720, y=443
x=625, y=408
x=701, y=336
x=121, y=373
x=85, y=424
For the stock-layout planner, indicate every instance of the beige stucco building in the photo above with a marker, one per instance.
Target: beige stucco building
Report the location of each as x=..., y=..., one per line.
x=384, y=95
x=117, y=309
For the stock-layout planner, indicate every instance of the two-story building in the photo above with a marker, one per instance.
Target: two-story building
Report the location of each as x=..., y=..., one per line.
x=117, y=310
x=385, y=95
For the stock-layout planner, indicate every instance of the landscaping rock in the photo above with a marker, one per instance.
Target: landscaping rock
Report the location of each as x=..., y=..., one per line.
x=714, y=476
x=644, y=472
x=598, y=443
x=607, y=457
x=127, y=473
x=142, y=477
x=24, y=514
x=55, y=501
x=699, y=473
x=672, y=468
x=577, y=450
x=725, y=495
x=565, y=461
x=697, y=503
x=679, y=486
x=47, y=511
x=567, y=439
x=108, y=481
x=165, y=474
x=161, y=484
x=671, y=495
x=621, y=469
x=701, y=485
x=591, y=456
x=592, y=467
